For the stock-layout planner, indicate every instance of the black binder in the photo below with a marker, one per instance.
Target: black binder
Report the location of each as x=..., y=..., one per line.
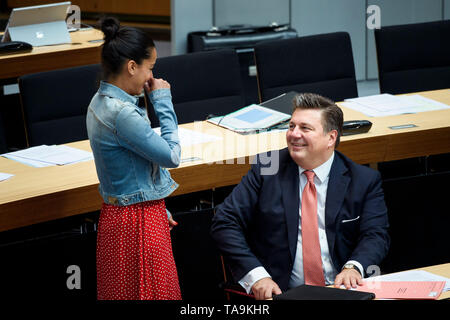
x=307, y=292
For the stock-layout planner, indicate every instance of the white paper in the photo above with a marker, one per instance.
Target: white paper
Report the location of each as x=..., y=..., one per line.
x=5, y=176
x=425, y=104
x=41, y=156
x=190, y=137
x=32, y=163
x=387, y=104
x=413, y=275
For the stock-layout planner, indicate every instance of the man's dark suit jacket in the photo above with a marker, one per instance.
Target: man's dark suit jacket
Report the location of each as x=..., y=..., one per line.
x=258, y=223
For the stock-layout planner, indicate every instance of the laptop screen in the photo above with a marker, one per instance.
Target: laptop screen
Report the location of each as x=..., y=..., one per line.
x=39, y=25
x=282, y=103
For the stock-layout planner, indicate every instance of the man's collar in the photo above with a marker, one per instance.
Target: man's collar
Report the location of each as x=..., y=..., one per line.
x=323, y=170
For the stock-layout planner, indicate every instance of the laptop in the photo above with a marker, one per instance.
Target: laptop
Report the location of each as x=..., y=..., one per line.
x=39, y=25
x=282, y=103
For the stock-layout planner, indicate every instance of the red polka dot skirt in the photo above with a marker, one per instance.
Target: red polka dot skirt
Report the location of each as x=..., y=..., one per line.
x=134, y=253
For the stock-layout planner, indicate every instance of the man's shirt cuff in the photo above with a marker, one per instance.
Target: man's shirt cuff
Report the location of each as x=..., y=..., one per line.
x=358, y=265
x=252, y=276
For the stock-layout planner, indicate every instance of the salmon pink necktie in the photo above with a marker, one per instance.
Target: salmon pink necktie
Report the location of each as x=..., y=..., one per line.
x=312, y=260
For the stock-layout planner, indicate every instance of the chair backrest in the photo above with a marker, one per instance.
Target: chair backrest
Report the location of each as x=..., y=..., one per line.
x=321, y=64
x=3, y=145
x=413, y=57
x=202, y=83
x=55, y=103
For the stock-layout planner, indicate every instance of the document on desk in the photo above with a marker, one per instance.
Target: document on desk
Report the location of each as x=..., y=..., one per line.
x=250, y=119
x=43, y=156
x=387, y=105
x=412, y=275
x=5, y=176
x=403, y=289
x=32, y=163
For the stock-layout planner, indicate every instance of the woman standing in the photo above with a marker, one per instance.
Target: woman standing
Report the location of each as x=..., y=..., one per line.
x=134, y=250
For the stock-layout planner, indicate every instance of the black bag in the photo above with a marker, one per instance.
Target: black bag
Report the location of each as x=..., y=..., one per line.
x=237, y=36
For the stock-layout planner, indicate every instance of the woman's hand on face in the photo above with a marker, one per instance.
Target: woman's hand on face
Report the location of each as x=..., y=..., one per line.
x=155, y=84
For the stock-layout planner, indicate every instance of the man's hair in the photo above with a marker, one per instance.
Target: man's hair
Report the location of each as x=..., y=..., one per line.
x=332, y=116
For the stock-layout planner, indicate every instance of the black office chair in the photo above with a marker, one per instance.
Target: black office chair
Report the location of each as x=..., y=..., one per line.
x=413, y=57
x=196, y=256
x=321, y=64
x=55, y=103
x=3, y=145
x=202, y=83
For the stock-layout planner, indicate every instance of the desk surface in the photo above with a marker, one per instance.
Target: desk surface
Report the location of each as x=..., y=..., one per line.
x=45, y=58
x=431, y=136
x=36, y=195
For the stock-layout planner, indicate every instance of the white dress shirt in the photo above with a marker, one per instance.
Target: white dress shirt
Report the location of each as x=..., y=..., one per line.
x=321, y=179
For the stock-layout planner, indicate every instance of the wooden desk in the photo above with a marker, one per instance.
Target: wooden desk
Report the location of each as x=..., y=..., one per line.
x=45, y=58
x=131, y=7
x=36, y=195
x=431, y=136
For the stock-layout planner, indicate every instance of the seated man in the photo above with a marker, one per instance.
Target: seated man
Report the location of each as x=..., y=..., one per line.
x=319, y=219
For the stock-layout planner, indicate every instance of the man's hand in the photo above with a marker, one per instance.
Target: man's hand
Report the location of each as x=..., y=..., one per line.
x=264, y=288
x=350, y=278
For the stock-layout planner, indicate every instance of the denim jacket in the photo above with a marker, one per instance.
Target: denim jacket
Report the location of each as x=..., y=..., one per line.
x=130, y=158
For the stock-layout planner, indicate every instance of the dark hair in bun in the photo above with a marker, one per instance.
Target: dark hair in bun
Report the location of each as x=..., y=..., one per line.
x=110, y=26
x=122, y=44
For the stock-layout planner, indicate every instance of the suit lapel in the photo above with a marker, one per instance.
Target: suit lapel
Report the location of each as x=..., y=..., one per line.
x=289, y=181
x=337, y=188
